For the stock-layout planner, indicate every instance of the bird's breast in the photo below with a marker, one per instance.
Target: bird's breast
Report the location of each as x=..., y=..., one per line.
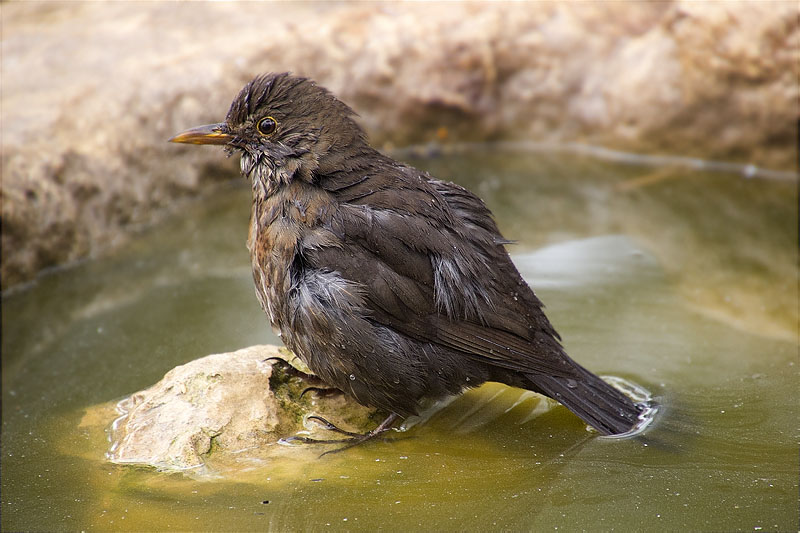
x=280, y=224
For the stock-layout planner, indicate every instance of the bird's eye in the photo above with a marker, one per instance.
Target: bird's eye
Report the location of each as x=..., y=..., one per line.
x=267, y=126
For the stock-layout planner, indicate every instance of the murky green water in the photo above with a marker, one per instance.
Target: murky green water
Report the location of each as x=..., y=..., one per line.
x=685, y=283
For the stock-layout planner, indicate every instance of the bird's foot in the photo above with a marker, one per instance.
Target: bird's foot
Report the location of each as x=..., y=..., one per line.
x=323, y=392
x=330, y=426
x=286, y=367
x=354, y=438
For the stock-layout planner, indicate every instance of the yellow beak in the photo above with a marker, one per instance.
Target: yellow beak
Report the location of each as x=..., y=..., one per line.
x=208, y=134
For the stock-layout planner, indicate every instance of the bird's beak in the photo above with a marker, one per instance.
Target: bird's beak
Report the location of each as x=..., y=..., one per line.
x=208, y=134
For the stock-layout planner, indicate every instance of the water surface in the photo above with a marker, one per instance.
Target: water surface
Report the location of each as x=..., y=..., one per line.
x=683, y=282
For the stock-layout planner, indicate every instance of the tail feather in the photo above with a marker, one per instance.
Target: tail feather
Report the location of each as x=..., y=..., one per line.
x=598, y=404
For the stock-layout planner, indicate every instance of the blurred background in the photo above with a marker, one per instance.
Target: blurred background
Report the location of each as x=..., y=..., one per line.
x=92, y=90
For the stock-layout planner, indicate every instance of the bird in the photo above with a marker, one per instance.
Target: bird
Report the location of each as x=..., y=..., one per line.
x=391, y=285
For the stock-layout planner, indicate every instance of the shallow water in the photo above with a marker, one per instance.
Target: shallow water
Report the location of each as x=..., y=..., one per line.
x=683, y=282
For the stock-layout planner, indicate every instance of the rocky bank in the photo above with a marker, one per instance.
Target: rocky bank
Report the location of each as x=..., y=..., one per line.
x=91, y=91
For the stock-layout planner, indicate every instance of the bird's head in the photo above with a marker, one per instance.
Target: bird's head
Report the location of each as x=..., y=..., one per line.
x=286, y=127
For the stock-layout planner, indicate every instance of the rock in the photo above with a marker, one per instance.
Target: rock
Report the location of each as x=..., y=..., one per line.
x=88, y=106
x=232, y=404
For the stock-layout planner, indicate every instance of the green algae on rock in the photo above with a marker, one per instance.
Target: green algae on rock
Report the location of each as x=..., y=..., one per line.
x=241, y=403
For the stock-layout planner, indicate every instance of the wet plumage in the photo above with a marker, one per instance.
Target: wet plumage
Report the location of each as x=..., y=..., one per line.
x=391, y=285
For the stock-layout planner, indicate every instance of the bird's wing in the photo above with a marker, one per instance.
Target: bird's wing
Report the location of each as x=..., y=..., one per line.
x=442, y=276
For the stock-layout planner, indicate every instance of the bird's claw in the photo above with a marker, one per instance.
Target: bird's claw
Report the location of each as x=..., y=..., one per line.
x=354, y=438
x=330, y=426
x=321, y=391
x=286, y=367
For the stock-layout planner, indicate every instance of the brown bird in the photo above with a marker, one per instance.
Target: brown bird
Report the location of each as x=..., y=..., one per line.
x=391, y=285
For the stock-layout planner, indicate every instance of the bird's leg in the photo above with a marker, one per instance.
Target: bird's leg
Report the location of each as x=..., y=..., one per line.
x=383, y=427
x=355, y=438
x=330, y=426
x=286, y=367
x=321, y=391
x=359, y=439
x=318, y=386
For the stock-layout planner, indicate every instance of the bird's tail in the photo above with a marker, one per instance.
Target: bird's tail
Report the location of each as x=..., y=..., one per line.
x=598, y=404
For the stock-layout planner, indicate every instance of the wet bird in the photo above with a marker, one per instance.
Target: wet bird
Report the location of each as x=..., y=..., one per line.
x=391, y=285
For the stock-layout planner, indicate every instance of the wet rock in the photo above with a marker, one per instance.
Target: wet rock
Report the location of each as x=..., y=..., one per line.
x=224, y=405
x=88, y=105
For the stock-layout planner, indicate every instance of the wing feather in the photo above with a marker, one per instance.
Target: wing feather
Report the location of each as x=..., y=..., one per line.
x=395, y=255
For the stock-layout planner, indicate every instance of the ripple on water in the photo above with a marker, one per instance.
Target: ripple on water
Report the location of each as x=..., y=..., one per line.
x=641, y=396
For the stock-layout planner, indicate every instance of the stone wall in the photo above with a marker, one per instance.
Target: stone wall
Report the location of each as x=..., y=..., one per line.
x=91, y=91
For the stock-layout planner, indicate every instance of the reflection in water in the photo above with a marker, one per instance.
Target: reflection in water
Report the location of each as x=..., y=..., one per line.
x=681, y=282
